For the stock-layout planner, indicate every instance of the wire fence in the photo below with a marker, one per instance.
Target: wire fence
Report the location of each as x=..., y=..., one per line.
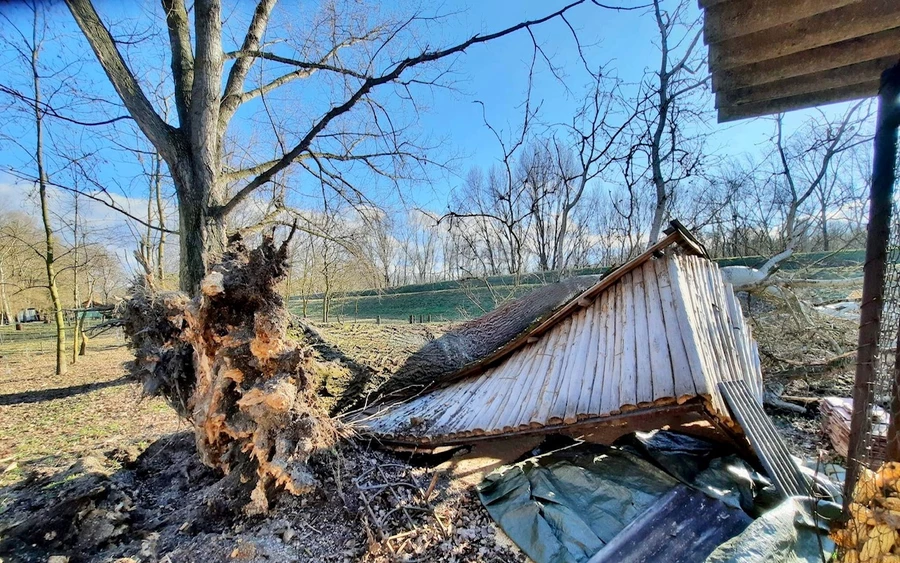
x=874, y=441
x=40, y=338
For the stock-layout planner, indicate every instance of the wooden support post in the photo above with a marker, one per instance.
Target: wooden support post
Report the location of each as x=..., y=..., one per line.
x=410, y=319
x=378, y=319
x=878, y=233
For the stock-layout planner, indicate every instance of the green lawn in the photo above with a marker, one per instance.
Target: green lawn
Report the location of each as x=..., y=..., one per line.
x=465, y=299
x=442, y=305
x=34, y=338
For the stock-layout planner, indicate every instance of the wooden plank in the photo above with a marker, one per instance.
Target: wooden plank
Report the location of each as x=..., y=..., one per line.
x=683, y=378
x=854, y=20
x=496, y=396
x=531, y=401
x=710, y=315
x=842, y=77
x=548, y=406
x=575, y=370
x=456, y=404
x=626, y=357
x=716, y=366
x=734, y=19
x=567, y=377
x=592, y=364
x=739, y=335
x=533, y=379
x=657, y=344
x=823, y=97
x=723, y=321
x=609, y=402
x=644, y=374
x=689, y=334
x=884, y=44
x=602, y=370
x=512, y=384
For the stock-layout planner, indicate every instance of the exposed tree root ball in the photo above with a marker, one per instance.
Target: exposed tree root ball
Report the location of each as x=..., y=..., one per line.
x=223, y=362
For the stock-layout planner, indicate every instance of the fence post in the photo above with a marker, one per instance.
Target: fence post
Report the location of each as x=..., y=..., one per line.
x=878, y=233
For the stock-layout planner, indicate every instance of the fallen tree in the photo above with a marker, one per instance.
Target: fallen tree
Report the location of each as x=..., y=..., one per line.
x=222, y=361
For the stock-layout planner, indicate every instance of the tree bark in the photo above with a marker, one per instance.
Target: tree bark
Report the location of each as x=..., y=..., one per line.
x=49, y=260
x=5, y=313
x=161, y=247
x=75, y=296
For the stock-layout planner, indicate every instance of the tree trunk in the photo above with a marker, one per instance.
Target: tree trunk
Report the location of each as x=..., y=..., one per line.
x=45, y=212
x=825, y=242
x=160, y=249
x=202, y=238
x=75, y=299
x=5, y=313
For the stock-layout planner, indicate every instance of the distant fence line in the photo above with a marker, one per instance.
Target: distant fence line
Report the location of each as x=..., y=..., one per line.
x=40, y=338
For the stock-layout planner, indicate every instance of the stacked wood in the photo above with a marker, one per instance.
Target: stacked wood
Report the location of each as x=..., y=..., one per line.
x=870, y=535
x=222, y=361
x=837, y=412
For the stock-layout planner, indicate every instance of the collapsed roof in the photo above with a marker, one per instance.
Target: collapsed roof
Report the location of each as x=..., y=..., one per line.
x=651, y=338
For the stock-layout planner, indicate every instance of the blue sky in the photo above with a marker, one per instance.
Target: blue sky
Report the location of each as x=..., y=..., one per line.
x=494, y=74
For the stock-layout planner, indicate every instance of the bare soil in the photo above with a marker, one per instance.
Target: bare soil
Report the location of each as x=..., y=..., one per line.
x=95, y=473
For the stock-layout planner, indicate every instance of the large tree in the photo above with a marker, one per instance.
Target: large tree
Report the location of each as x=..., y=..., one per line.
x=364, y=61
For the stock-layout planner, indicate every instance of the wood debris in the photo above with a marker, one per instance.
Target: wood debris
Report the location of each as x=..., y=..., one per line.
x=223, y=362
x=837, y=412
x=871, y=534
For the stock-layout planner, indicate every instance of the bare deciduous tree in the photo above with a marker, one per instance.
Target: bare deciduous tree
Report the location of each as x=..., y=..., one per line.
x=352, y=57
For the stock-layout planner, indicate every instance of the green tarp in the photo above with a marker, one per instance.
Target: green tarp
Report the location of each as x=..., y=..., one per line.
x=566, y=506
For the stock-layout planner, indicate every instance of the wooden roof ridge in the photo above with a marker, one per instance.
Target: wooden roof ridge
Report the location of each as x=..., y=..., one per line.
x=676, y=234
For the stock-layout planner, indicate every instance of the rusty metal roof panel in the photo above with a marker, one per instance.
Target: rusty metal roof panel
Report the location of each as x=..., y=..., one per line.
x=666, y=332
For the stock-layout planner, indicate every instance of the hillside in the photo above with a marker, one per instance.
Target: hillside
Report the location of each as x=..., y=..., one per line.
x=463, y=299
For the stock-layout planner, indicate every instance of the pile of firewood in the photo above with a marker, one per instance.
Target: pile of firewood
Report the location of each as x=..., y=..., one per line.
x=870, y=535
x=838, y=412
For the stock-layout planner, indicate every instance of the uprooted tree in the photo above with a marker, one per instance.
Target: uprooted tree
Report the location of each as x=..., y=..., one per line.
x=222, y=360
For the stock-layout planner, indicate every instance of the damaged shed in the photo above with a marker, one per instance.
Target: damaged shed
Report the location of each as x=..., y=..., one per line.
x=644, y=346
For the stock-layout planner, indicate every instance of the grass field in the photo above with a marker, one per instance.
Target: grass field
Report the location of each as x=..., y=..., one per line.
x=49, y=421
x=441, y=305
x=465, y=299
x=38, y=338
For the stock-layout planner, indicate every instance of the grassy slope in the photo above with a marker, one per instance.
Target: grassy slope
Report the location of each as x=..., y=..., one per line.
x=457, y=300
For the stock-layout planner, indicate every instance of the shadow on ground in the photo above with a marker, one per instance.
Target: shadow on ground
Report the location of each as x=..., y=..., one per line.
x=42, y=395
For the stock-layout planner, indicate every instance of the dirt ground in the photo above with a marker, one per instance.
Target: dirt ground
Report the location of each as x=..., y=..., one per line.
x=47, y=422
x=93, y=472
x=137, y=491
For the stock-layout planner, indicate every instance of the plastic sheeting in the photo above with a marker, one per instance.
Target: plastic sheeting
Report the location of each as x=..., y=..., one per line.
x=567, y=505
x=795, y=531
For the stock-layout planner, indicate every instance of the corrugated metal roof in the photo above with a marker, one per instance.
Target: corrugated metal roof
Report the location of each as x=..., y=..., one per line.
x=666, y=331
x=767, y=56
